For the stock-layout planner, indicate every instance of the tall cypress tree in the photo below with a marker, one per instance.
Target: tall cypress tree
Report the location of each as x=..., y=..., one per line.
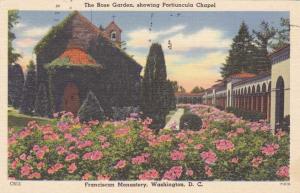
x=29, y=90
x=241, y=53
x=155, y=87
x=42, y=105
x=15, y=84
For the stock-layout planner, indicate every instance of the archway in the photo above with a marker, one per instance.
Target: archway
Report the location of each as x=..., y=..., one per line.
x=71, y=100
x=279, y=105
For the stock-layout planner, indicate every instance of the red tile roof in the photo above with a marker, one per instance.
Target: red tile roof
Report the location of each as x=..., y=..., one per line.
x=243, y=75
x=77, y=56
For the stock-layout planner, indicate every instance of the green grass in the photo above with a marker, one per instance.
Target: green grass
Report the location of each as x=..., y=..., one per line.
x=18, y=121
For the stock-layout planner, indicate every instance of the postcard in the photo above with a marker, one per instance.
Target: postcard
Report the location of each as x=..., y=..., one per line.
x=152, y=96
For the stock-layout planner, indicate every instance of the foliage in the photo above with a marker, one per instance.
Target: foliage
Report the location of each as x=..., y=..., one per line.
x=155, y=90
x=15, y=84
x=13, y=18
x=282, y=37
x=226, y=148
x=42, y=44
x=190, y=121
x=197, y=89
x=121, y=113
x=29, y=90
x=240, y=53
x=90, y=108
x=247, y=115
x=42, y=105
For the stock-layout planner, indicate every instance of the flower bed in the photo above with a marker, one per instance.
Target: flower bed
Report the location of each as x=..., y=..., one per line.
x=226, y=148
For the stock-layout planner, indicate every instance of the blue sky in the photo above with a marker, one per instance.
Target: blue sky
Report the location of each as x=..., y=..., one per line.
x=200, y=40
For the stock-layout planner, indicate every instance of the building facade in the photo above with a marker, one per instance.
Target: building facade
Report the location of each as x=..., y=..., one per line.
x=265, y=93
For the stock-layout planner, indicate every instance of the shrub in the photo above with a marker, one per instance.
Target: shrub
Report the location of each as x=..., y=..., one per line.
x=15, y=84
x=29, y=90
x=247, y=115
x=190, y=121
x=91, y=109
x=121, y=113
x=42, y=106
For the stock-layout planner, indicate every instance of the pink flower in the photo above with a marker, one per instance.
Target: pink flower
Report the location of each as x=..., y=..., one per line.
x=72, y=167
x=105, y=145
x=122, y=132
x=189, y=172
x=149, y=175
x=51, y=137
x=86, y=176
x=283, y=172
x=87, y=155
x=138, y=160
x=102, y=138
x=85, y=144
x=55, y=168
x=40, y=154
x=34, y=175
x=209, y=157
x=164, y=138
x=235, y=160
x=182, y=146
x=71, y=157
x=256, y=161
x=96, y=155
x=40, y=165
x=240, y=130
x=181, y=135
x=270, y=149
x=103, y=177
x=26, y=170
x=84, y=131
x=208, y=171
x=14, y=163
x=120, y=164
x=60, y=150
x=224, y=145
x=173, y=174
x=23, y=157
x=198, y=146
x=177, y=155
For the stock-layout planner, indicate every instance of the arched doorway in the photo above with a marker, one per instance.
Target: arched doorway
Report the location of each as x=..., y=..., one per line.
x=279, y=105
x=71, y=100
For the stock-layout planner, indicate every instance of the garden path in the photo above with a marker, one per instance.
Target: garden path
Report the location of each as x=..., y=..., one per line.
x=175, y=119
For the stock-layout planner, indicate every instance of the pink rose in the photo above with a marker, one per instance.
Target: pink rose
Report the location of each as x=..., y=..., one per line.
x=209, y=157
x=120, y=164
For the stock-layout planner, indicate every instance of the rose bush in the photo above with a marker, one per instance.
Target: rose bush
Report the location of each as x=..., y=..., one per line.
x=225, y=148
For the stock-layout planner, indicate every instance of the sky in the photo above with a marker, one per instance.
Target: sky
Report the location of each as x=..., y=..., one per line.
x=200, y=40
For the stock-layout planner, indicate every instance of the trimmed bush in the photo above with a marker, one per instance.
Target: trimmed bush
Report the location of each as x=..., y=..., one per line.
x=42, y=106
x=248, y=115
x=190, y=121
x=90, y=109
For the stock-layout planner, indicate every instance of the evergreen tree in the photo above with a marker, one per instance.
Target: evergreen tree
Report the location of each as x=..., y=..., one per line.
x=91, y=109
x=27, y=105
x=42, y=106
x=241, y=53
x=197, y=89
x=13, y=18
x=282, y=37
x=171, y=96
x=15, y=84
x=263, y=39
x=155, y=87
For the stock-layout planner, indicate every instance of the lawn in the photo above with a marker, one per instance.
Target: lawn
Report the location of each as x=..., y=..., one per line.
x=18, y=121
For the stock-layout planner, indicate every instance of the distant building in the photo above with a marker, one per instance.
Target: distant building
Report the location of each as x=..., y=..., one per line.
x=76, y=56
x=266, y=93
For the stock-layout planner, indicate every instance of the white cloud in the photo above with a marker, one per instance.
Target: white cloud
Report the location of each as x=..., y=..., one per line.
x=140, y=38
x=20, y=25
x=205, y=38
x=25, y=42
x=36, y=31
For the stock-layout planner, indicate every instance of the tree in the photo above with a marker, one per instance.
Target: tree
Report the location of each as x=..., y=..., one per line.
x=29, y=90
x=15, y=84
x=263, y=39
x=171, y=96
x=42, y=106
x=91, y=109
x=13, y=18
x=177, y=88
x=197, y=89
x=282, y=37
x=240, y=54
x=155, y=87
